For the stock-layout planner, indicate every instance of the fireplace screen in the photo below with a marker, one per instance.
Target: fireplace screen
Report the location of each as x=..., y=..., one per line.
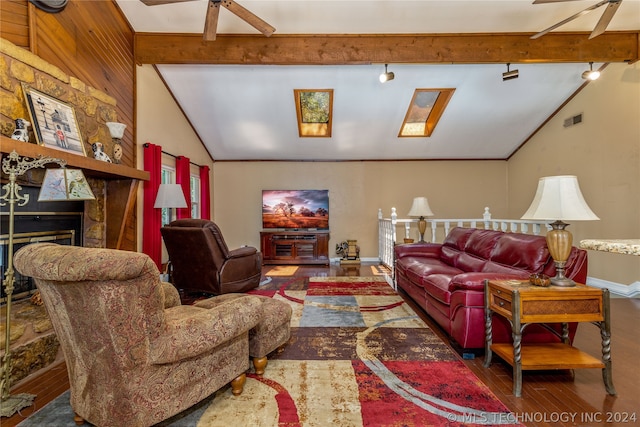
x=24, y=286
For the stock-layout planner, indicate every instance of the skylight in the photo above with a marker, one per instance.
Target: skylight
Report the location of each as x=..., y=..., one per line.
x=425, y=109
x=314, y=108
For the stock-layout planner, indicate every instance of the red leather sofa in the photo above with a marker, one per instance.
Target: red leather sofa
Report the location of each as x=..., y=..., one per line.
x=447, y=280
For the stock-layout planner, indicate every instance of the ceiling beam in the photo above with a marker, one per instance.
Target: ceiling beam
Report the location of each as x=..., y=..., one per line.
x=314, y=49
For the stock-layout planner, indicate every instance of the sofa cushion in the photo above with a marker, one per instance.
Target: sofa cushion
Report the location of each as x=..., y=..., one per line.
x=403, y=264
x=437, y=286
x=468, y=262
x=454, y=244
x=457, y=237
x=426, y=267
x=450, y=255
x=521, y=251
x=481, y=243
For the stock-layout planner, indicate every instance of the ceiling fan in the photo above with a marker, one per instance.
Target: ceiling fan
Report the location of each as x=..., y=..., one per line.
x=213, y=10
x=601, y=26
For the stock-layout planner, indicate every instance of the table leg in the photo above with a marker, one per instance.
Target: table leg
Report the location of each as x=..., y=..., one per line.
x=516, y=332
x=605, y=333
x=488, y=327
x=565, y=332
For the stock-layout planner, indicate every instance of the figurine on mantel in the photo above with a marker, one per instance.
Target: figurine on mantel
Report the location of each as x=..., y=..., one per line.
x=117, y=132
x=99, y=153
x=21, y=133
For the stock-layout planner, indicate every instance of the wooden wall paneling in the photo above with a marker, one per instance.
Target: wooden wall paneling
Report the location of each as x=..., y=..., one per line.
x=14, y=22
x=93, y=42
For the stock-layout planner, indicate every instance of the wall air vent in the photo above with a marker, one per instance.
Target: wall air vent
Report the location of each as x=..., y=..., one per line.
x=573, y=120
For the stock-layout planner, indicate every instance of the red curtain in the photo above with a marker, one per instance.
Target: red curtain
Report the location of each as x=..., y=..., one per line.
x=183, y=176
x=205, y=199
x=152, y=218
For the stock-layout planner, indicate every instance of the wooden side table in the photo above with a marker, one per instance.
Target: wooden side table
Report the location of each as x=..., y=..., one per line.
x=523, y=304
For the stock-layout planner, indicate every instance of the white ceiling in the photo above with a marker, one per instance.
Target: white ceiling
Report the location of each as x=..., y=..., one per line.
x=247, y=112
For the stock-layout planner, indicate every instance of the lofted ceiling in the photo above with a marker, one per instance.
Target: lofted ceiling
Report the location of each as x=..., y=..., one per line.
x=242, y=104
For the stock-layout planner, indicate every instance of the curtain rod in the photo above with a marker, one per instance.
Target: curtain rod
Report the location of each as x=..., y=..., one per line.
x=146, y=145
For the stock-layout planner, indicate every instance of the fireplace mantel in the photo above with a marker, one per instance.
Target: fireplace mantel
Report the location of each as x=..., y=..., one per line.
x=121, y=187
x=91, y=167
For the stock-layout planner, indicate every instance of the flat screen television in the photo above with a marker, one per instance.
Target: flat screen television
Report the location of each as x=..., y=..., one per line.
x=295, y=209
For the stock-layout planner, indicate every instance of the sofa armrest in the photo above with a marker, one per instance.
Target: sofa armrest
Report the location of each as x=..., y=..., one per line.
x=190, y=331
x=426, y=250
x=475, y=281
x=171, y=295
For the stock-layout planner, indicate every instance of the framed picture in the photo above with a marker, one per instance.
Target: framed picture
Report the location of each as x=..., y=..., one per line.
x=54, y=122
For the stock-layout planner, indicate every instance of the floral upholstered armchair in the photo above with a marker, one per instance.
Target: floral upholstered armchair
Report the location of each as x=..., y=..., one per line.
x=135, y=356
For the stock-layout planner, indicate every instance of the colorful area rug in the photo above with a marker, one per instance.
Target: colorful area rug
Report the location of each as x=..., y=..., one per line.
x=358, y=356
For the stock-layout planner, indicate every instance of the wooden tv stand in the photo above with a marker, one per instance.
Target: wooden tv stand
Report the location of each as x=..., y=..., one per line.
x=295, y=247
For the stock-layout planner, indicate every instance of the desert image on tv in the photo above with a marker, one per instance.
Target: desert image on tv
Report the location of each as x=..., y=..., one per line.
x=295, y=209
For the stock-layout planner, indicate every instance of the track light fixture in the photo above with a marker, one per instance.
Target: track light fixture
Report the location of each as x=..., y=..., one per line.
x=591, y=74
x=386, y=76
x=510, y=74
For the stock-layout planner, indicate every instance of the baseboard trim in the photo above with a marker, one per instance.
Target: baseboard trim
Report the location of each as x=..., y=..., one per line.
x=372, y=260
x=617, y=289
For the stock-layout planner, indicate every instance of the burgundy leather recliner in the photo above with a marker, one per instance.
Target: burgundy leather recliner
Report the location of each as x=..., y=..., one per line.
x=201, y=261
x=447, y=280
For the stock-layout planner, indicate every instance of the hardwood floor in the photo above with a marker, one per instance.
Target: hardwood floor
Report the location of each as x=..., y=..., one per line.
x=550, y=398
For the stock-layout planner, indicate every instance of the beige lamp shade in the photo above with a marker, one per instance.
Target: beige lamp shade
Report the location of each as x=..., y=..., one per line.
x=64, y=184
x=559, y=198
x=420, y=207
x=170, y=196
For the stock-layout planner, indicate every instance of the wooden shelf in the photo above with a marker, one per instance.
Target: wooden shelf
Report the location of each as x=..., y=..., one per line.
x=91, y=167
x=548, y=356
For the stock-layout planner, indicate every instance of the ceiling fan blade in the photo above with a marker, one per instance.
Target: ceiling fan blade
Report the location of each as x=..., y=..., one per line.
x=157, y=2
x=569, y=19
x=211, y=21
x=606, y=17
x=249, y=17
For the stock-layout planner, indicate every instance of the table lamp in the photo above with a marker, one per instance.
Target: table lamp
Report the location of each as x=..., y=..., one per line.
x=559, y=198
x=420, y=208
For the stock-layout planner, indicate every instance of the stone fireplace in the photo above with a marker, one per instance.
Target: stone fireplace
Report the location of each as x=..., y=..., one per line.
x=33, y=342
x=59, y=222
x=91, y=224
